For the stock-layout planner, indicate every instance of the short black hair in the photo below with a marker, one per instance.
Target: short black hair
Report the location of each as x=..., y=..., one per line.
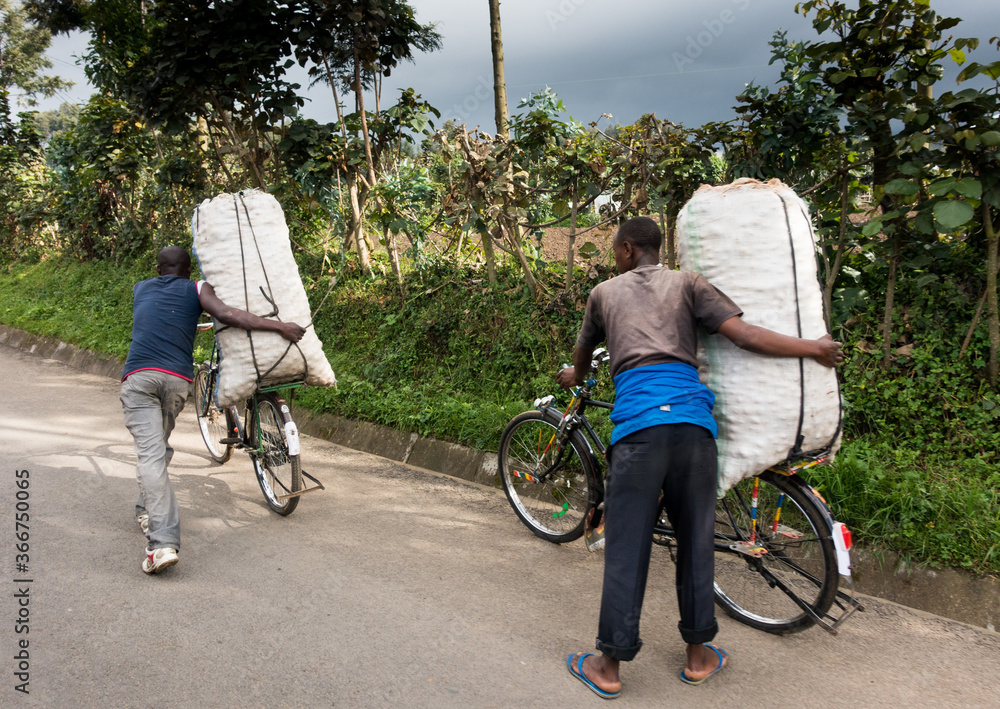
x=173, y=257
x=642, y=232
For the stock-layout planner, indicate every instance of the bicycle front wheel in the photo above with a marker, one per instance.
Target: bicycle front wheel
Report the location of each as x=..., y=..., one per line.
x=761, y=579
x=550, y=487
x=212, y=420
x=278, y=472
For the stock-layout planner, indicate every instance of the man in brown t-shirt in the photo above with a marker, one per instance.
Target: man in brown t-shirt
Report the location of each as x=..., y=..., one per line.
x=663, y=441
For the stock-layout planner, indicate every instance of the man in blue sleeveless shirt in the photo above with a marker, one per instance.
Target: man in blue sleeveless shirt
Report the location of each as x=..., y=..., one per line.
x=663, y=441
x=156, y=381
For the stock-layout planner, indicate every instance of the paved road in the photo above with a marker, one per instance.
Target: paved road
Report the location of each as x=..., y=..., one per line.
x=394, y=587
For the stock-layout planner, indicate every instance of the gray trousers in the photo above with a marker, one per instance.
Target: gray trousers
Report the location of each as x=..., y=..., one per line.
x=151, y=401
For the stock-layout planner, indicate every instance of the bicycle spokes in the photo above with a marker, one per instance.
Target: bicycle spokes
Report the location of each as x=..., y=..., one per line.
x=787, y=532
x=525, y=476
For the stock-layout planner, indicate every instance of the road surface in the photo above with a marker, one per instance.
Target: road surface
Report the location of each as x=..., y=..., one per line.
x=393, y=588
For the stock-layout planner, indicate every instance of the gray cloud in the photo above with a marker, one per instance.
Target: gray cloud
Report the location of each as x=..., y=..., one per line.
x=682, y=60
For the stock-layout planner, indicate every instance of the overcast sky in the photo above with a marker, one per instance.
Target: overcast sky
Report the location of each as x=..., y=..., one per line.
x=685, y=61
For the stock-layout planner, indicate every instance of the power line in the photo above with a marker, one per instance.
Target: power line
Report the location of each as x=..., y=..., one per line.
x=640, y=76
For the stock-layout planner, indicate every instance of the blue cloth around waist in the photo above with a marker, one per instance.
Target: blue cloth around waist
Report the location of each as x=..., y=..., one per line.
x=661, y=393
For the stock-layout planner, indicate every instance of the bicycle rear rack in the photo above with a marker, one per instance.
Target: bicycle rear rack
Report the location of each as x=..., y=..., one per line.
x=318, y=486
x=848, y=604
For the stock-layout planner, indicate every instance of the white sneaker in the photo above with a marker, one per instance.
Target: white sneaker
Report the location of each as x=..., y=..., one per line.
x=158, y=559
x=143, y=521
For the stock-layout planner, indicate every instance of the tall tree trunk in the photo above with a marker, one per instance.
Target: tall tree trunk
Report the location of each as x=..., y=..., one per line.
x=489, y=254
x=668, y=254
x=663, y=244
x=571, y=251
x=890, y=296
x=355, y=230
x=833, y=270
x=992, y=238
x=340, y=120
x=501, y=114
x=513, y=230
x=390, y=245
x=671, y=237
x=361, y=110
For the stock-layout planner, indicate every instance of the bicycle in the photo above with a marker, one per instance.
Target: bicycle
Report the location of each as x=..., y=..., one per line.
x=781, y=576
x=266, y=431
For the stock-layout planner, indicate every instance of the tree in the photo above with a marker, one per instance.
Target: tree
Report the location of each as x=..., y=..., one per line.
x=224, y=64
x=502, y=115
x=22, y=56
x=559, y=159
x=954, y=167
x=351, y=43
x=879, y=62
x=797, y=134
x=51, y=123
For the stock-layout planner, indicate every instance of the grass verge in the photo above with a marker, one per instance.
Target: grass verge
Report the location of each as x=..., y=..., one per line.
x=457, y=358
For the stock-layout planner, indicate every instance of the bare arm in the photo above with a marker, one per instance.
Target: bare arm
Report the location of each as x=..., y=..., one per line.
x=234, y=317
x=577, y=374
x=752, y=338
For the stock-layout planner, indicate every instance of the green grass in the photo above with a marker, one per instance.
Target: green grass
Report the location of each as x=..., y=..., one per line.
x=89, y=305
x=932, y=508
x=456, y=359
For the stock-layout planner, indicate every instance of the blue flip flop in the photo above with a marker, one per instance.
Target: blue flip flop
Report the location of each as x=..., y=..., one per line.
x=722, y=658
x=578, y=673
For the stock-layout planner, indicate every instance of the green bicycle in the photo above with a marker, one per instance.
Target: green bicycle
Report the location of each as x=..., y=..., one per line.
x=266, y=431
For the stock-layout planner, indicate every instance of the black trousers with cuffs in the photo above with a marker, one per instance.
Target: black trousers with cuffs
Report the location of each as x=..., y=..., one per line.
x=679, y=459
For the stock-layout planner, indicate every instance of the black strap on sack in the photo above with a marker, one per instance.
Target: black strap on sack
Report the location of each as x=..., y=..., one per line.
x=796, y=450
x=836, y=374
x=268, y=295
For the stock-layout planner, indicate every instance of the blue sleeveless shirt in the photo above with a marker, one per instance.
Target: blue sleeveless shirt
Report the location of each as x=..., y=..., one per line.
x=165, y=313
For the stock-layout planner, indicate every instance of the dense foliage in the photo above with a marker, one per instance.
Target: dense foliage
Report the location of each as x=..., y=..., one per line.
x=442, y=312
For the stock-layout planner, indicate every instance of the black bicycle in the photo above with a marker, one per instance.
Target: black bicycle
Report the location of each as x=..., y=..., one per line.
x=265, y=430
x=779, y=552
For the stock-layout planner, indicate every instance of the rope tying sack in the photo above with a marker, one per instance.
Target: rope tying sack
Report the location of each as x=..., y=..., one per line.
x=265, y=281
x=759, y=251
x=270, y=299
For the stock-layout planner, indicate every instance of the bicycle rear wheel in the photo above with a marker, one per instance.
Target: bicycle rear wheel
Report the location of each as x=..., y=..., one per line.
x=213, y=421
x=278, y=472
x=550, y=489
x=797, y=562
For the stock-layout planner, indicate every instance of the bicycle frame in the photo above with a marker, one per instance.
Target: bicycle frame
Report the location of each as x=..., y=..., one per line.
x=241, y=426
x=574, y=418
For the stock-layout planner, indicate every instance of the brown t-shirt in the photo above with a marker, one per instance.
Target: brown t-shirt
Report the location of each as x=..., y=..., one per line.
x=650, y=315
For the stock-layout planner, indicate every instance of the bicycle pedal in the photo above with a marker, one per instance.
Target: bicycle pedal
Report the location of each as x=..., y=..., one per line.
x=788, y=532
x=593, y=537
x=230, y=441
x=748, y=549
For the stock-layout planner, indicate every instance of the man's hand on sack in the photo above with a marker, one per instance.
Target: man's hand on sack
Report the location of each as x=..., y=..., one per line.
x=291, y=332
x=831, y=354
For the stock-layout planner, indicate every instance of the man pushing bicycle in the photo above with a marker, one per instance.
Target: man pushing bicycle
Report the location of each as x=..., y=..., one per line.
x=156, y=381
x=663, y=442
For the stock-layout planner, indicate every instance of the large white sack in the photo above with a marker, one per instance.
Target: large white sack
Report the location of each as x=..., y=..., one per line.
x=754, y=241
x=241, y=242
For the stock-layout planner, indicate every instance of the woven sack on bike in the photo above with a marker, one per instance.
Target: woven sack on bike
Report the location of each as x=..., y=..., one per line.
x=241, y=242
x=754, y=241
